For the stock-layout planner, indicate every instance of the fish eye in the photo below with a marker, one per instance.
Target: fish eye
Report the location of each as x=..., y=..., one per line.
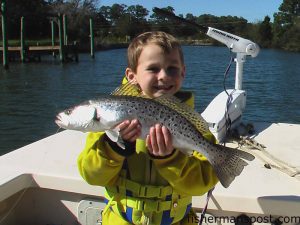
x=68, y=111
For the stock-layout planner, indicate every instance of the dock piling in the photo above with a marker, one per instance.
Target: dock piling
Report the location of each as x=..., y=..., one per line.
x=22, y=51
x=67, y=52
x=53, y=36
x=65, y=22
x=4, y=38
x=92, y=38
x=60, y=32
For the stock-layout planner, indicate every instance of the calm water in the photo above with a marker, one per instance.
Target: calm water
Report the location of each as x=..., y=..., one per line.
x=32, y=94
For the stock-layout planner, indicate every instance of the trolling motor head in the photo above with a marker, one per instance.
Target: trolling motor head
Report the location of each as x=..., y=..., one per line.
x=241, y=46
x=235, y=43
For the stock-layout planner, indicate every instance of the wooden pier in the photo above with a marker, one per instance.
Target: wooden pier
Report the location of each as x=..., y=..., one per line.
x=67, y=52
x=34, y=53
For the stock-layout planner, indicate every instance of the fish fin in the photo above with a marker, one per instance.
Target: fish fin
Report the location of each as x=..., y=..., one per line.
x=186, y=111
x=114, y=135
x=129, y=89
x=229, y=163
x=121, y=144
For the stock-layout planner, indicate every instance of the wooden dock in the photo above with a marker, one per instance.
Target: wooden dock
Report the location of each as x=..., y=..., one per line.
x=66, y=52
x=32, y=48
x=34, y=53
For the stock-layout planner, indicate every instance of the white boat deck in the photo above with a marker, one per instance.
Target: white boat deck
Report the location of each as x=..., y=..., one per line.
x=51, y=164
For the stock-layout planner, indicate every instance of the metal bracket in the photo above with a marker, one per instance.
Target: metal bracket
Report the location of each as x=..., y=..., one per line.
x=89, y=211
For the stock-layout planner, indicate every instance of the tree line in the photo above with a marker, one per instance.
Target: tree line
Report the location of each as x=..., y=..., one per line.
x=120, y=23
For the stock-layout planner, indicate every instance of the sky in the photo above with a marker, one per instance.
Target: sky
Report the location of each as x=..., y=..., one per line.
x=252, y=10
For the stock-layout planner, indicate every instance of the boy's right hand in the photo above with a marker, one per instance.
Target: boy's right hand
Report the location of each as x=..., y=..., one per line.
x=130, y=130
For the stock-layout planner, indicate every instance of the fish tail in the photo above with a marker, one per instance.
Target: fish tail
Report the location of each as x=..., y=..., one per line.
x=229, y=163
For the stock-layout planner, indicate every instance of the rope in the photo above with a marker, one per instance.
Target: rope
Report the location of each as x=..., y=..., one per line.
x=229, y=99
x=209, y=194
x=269, y=160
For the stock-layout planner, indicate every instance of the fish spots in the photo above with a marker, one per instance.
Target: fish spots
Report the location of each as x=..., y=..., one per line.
x=187, y=128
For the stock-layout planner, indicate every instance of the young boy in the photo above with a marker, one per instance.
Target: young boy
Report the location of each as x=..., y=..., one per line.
x=148, y=182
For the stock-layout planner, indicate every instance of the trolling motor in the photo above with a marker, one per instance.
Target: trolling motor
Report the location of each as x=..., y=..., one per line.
x=225, y=111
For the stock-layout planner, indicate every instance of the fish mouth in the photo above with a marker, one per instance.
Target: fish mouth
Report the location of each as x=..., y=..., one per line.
x=59, y=121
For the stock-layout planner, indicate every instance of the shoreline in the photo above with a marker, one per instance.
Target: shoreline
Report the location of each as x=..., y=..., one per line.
x=104, y=46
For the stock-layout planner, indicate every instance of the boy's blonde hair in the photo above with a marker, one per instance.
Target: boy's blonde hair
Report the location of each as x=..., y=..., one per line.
x=166, y=41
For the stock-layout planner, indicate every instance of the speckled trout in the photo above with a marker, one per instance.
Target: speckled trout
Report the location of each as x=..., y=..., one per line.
x=185, y=125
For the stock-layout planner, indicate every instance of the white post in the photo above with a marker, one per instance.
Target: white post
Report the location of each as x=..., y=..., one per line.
x=240, y=59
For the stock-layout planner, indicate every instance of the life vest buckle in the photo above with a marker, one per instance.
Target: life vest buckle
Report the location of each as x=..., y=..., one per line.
x=154, y=192
x=148, y=206
x=142, y=191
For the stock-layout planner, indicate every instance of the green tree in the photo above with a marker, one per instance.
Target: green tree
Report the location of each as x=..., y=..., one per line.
x=105, y=12
x=207, y=20
x=292, y=39
x=265, y=34
x=78, y=13
x=160, y=22
x=138, y=12
x=117, y=11
x=186, y=29
x=286, y=25
x=35, y=17
x=102, y=24
x=289, y=11
x=133, y=21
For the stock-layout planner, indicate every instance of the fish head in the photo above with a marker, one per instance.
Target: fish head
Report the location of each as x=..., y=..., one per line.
x=82, y=118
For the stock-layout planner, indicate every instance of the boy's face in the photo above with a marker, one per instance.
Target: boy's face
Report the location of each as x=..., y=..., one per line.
x=158, y=73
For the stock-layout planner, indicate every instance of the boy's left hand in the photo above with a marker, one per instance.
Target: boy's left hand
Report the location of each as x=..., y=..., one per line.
x=159, y=141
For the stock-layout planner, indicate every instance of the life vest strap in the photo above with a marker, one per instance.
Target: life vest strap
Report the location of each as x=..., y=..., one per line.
x=155, y=205
x=146, y=205
x=142, y=191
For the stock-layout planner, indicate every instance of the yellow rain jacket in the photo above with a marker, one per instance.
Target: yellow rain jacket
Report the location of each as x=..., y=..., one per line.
x=141, y=189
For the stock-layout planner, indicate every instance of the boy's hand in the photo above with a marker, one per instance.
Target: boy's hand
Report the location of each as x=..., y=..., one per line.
x=129, y=130
x=159, y=141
